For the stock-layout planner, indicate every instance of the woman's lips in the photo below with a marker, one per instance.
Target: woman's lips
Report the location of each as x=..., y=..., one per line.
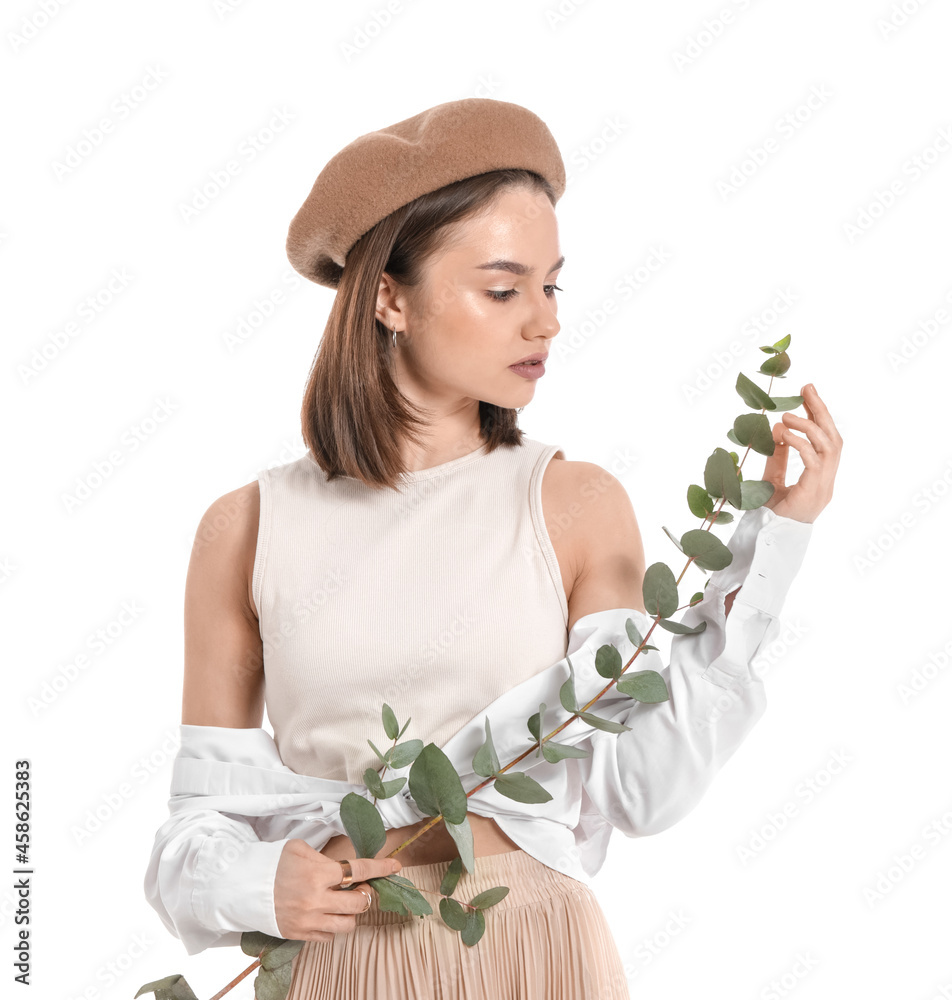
x=528, y=370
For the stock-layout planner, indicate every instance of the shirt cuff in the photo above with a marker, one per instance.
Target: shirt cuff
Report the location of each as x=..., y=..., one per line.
x=234, y=884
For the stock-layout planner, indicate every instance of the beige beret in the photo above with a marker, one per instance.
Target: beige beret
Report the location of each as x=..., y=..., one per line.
x=380, y=171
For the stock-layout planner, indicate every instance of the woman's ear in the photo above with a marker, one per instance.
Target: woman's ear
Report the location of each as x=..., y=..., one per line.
x=390, y=303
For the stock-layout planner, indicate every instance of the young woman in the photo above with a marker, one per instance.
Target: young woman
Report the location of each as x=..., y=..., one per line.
x=411, y=557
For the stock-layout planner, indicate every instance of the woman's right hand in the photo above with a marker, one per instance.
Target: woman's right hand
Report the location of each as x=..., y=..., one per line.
x=308, y=902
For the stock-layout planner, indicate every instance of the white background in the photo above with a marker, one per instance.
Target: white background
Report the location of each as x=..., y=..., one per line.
x=651, y=130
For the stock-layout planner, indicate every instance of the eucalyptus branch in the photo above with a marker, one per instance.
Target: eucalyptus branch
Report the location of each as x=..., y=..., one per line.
x=434, y=783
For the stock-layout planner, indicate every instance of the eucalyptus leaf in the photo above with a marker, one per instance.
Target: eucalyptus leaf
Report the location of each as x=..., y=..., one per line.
x=273, y=984
x=398, y=894
x=644, y=685
x=390, y=725
x=382, y=789
x=777, y=365
x=679, y=628
x=607, y=662
x=489, y=897
x=673, y=538
x=720, y=476
x=254, y=942
x=783, y=344
x=475, y=926
x=485, y=760
x=404, y=729
x=462, y=833
x=567, y=690
x=170, y=988
x=451, y=877
x=435, y=786
x=708, y=551
x=731, y=436
x=383, y=759
x=700, y=501
x=660, y=591
x=754, y=429
x=607, y=725
x=782, y=403
x=404, y=753
x=752, y=394
x=554, y=752
x=696, y=598
x=271, y=958
x=755, y=493
x=452, y=913
x=724, y=516
x=535, y=722
x=363, y=824
x=634, y=636
x=521, y=788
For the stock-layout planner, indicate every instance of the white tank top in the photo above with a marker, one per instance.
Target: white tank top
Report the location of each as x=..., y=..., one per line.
x=435, y=599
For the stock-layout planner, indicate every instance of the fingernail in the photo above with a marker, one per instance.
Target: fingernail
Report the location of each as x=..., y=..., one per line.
x=396, y=866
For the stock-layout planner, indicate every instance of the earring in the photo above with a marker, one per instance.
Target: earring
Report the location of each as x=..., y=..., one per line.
x=394, y=336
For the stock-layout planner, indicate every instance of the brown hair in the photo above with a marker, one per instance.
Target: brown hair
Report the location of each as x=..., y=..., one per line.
x=354, y=417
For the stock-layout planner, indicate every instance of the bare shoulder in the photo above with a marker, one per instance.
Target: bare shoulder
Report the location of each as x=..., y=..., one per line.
x=223, y=650
x=589, y=510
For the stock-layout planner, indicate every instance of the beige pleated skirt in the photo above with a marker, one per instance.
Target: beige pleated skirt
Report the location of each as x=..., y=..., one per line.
x=548, y=939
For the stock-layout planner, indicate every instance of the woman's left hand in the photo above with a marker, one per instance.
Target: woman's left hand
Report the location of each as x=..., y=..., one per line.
x=819, y=452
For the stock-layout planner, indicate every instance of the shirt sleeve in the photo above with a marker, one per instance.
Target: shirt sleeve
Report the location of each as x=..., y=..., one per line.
x=644, y=780
x=209, y=876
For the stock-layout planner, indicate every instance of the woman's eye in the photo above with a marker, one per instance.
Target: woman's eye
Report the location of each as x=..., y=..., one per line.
x=509, y=292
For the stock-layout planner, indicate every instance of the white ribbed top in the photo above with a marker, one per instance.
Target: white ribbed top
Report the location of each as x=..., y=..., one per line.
x=435, y=599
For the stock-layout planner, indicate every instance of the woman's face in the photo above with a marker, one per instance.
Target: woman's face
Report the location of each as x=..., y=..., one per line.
x=474, y=315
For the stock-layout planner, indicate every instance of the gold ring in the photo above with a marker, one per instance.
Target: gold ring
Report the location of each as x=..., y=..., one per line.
x=348, y=875
x=369, y=899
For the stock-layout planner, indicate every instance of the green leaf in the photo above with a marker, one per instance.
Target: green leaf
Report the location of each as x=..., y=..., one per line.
x=777, y=365
x=271, y=958
x=678, y=628
x=390, y=726
x=475, y=925
x=752, y=394
x=383, y=759
x=404, y=753
x=521, y=788
x=724, y=516
x=672, y=537
x=659, y=590
x=567, y=690
x=700, y=501
x=644, y=685
x=273, y=984
x=397, y=894
x=170, y=988
x=435, y=786
x=404, y=729
x=782, y=403
x=699, y=596
x=554, y=752
x=462, y=833
x=647, y=646
x=608, y=661
x=452, y=913
x=720, y=476
x=382, y=789
x=754, y=429
x=755, y=493
x=363, y=825
x=535, y=722
x=485, y=761
x=731, y=436
x=489, y=897
x=254, y=942
x=607, y=725
x=634, y=636
x=451, y=877
x=708, y=550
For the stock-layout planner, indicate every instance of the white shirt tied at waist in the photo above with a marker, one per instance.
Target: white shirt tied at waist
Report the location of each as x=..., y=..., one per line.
x=235, y=804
